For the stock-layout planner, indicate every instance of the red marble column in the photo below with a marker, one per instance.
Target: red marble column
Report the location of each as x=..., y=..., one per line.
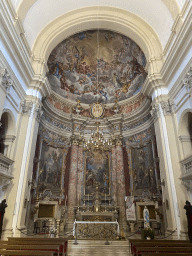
x=80, y=174
x=114, y=172
x=120, y=183
x=72, y=192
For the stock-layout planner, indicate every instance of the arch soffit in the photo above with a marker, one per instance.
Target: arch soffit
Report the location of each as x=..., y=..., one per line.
x=11, y=120
x=87, y=18
x=181, y=123
x=24, y=6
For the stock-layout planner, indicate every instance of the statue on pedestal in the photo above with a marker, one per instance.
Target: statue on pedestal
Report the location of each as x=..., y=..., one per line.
x=146, y=217
x=188, y=208
x=3, y=205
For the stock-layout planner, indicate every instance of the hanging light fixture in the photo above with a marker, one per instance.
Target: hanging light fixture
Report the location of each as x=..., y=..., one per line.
x=97, y=141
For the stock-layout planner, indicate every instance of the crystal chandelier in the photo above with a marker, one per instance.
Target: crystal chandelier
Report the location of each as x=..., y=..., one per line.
x=97, y=141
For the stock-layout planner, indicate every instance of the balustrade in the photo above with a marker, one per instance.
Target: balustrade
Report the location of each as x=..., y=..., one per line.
x=187, y=168
x=5, y=166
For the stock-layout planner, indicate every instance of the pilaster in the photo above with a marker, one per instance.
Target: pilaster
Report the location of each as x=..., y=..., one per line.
x=26, y=135
x=168, y=151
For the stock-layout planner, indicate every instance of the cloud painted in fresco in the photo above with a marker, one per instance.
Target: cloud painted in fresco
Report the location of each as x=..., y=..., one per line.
x=97, y=66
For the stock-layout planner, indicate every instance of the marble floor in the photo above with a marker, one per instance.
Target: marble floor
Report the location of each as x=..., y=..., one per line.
x=98, y=248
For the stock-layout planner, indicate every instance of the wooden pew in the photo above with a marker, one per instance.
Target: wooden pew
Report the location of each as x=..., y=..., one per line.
x=138, y=242
x=166, y=254
x=52, y=248
x=158, y=250
x=62, y=242
x=26, y=252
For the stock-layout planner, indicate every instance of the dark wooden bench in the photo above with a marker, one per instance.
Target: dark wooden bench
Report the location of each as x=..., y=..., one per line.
x=137, y=243
x=158, y=250
x=26, y=252
x=61, y=242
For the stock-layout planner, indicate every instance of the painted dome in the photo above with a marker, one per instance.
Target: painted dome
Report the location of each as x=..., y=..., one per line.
x=96, y=66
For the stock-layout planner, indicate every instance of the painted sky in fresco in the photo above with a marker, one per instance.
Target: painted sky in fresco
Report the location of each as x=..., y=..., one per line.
x=97, y=66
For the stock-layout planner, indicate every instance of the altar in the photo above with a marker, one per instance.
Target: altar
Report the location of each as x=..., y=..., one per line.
x=95, y=219
x=96, y=229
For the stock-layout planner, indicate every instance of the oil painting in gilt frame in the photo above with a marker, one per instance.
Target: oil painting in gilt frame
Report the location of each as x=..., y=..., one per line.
x=97, y=172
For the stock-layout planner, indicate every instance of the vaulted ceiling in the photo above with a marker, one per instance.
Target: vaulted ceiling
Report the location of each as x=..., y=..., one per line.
x=37, y=14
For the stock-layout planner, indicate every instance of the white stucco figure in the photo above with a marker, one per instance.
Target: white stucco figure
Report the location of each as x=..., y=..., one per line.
x=146, y=217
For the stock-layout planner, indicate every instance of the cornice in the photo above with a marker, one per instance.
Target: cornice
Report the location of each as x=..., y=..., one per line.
x=13, y=37
x=178, y=49
x=176, y=89
x=16, y=84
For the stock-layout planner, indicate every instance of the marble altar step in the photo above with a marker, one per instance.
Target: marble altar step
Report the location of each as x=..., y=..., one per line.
x=98, y=248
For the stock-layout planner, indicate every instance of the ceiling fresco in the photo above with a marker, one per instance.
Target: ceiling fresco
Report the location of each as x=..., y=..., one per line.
x=97, y=66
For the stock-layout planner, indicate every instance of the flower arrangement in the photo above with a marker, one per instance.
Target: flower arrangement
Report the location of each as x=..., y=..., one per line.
x=147, y=232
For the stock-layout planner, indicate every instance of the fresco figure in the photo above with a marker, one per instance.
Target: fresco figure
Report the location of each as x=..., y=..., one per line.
x=74, y=67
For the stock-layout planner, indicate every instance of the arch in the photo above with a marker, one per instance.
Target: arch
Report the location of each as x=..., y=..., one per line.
x=184, y=122
x=24, y=6
x=9, y=121
x=109, y=18
x=185, y=132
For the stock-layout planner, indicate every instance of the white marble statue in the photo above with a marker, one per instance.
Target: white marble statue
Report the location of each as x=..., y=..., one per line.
x=146, y=217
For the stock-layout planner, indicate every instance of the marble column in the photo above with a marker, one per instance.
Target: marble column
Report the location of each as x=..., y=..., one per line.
x=72, y=192
x=80, y=174
x=120, y=182
x=114, y=173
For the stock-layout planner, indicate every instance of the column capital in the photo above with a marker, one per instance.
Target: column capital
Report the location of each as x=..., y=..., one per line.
x=26, y=107
x=155, y=112
x=168, y=107
x=118, y=140
x=38, y=111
